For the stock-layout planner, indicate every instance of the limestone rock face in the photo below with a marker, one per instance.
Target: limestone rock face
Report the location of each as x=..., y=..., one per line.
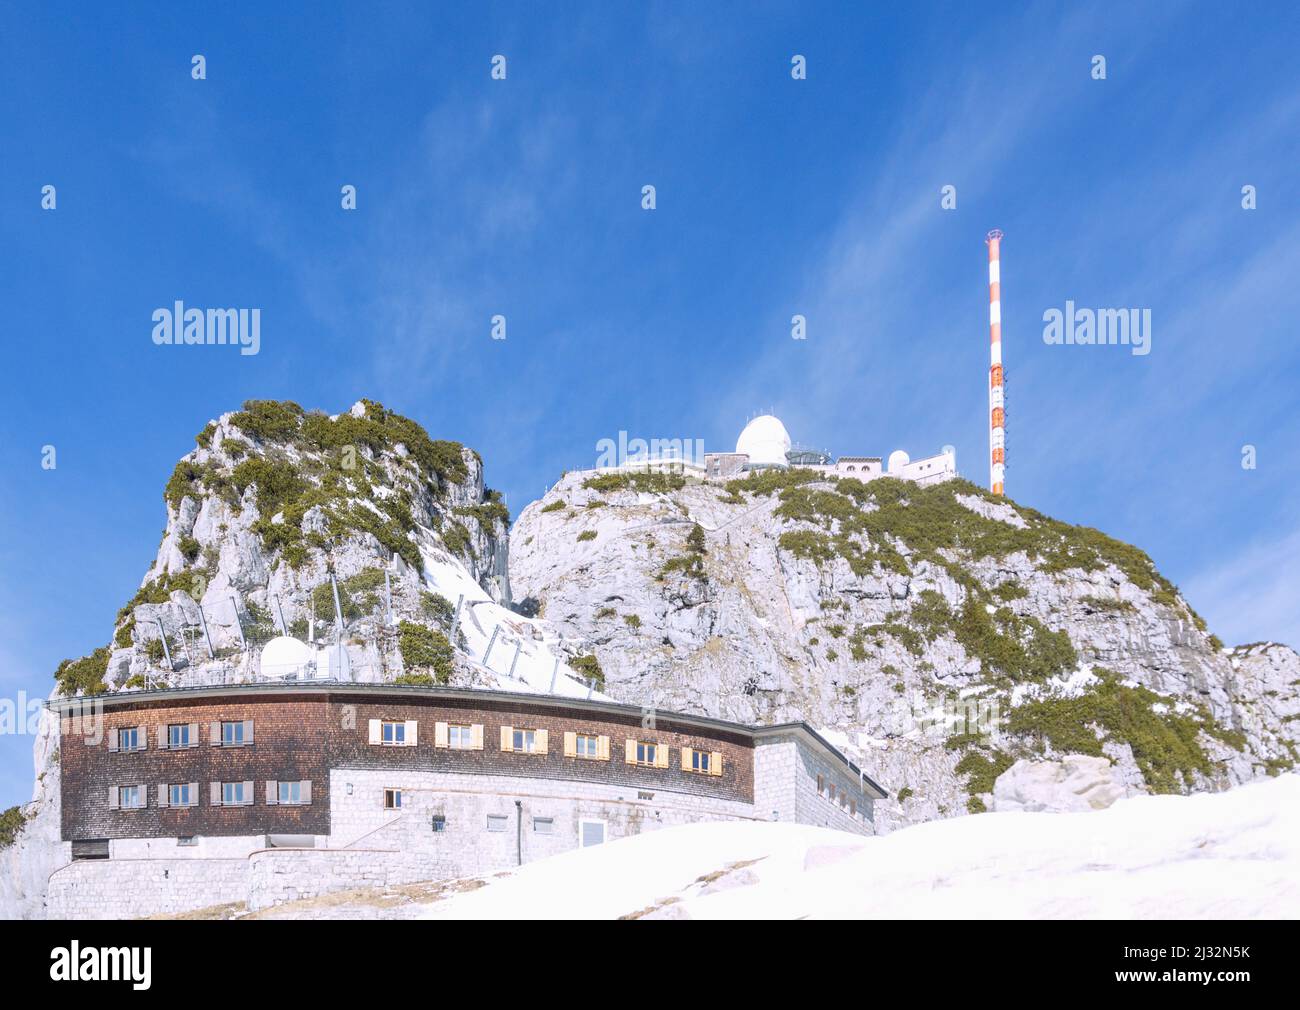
x=1075, y=783
x=26, y=865
x=887, y=617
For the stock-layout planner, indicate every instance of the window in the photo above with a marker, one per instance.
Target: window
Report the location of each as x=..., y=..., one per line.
x=392, y=799
x=525, y=740
x=128, y=739
x=460, y=737
x=700, y=761
x=394, y=733
x=178, y=736
x=290, y=792
x=591, y=833
x=232, y=734
x=497, y=822
x=645, y=753
x=588, y=746
x=232, y=793
x=853, y=808
x=187, y=840
x=821, y=785
x=130, y=797
x=179, y=795
x=544, y=825
x=439, y=823
x=831, y=793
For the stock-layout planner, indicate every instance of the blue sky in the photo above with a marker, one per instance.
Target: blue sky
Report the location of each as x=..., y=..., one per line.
x=522, y=198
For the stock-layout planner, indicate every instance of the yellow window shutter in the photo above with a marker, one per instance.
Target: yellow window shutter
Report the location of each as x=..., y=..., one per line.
x=570, y=744
x=602, y=748
x=630, y=752
x=507, y=738
x=715, y=763
x=476, y=736
x=661, y=756
x=440, y=734
x=541, y=741
x=686, y=759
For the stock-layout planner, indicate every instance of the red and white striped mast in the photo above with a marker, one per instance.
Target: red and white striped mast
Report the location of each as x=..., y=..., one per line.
x=997, y=405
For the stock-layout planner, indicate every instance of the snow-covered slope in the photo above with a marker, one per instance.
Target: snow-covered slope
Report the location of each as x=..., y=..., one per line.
x=1224, y=855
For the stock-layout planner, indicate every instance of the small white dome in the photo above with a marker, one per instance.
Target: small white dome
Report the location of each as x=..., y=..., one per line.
x=765, y=441
x=284, y=656
x=897, y=460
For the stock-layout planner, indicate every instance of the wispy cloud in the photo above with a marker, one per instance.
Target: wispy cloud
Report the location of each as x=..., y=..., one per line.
x=1254, y=596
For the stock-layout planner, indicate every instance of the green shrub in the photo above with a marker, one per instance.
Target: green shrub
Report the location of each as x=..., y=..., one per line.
x=181, y=482
x=189, y=548
x=651, y=483
x=604, y=612
x=11, y=825
x=437, y=608
x=905, y=794
x=588, y=668
x=982, y=769
x=85, y=674
x=632, y=620
x=269, y=420
x=456, y=538
x=122, y=639
x=554, y=506
x=425, y=650
x=204, y=438
x=586, y=535
x=1164, y=745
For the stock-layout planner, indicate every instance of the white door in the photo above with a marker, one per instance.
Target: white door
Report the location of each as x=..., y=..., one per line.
x=590, y=833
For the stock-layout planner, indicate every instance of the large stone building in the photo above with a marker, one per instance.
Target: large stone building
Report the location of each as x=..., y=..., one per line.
x=262, y=793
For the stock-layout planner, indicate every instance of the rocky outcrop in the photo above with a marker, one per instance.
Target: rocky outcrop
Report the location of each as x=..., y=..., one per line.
x=939, y=633
x=1074, y=784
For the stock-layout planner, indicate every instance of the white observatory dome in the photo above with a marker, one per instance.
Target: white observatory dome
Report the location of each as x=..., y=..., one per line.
x=765, y=441
x=897, y=460
x=285, y=657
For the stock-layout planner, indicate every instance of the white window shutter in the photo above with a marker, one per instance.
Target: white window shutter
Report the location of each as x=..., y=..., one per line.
x=214, y=794
x=376, y=731
x=542, y=741
x=113, y=797
x=214, y=734
x=687, y=764
x=248, y=731
x=142, y=737
x=164, y=800
x=305, y=786
x=661, y=756
x=570, y=744
x=272, y=793
x=602, y=748
x=507, y=738
x=476, y=736
x=715, y=763
x=248, y=794
x=630, y=752
x=194, y=735
x=194, y=794
x=412, y=732
x=162, y=737
x=440, y=734
x=112, y=740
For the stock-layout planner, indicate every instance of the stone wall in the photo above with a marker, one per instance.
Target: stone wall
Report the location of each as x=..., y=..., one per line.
x=550, y=812
x=786, y=788
x=277, y=876
x=131, y=888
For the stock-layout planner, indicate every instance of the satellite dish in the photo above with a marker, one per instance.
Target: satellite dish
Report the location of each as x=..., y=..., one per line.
x=285, y=656
x=897, y=460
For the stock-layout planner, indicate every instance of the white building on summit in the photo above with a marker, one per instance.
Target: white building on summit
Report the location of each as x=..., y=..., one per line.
x=764, y=444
